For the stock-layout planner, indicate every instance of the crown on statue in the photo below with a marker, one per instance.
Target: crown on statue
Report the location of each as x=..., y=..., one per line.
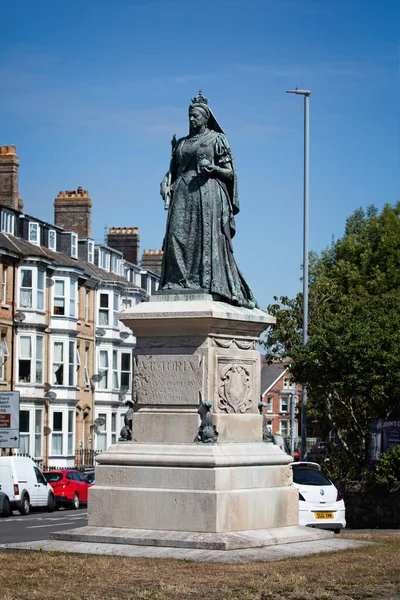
x=200, y=99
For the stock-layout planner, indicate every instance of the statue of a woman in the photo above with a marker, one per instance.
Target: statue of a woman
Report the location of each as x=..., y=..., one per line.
x=200, y=192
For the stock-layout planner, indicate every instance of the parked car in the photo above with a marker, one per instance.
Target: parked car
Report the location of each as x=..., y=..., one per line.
x=70, y=487
x=5, y=509
x=23, y=483
x=320, y=503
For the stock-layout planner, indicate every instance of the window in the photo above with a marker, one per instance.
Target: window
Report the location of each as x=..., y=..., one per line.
x=270, y=404
x=104, y=309
x=39, y=359
x=34, y=233
x=58, y=363
x=87, y=304
x=90, y=251
x=288, y=383
x=71, y=415
x=102, y=433
x=38, y=432
x=113, y=428
x=3, y=356
x=103, y=369
x=64, y=373
x=126, y=303
x=7, y=221
x=86, y=368
x=52, y=240
x=72, y=298
x=115, y=370
x=284, y=428
x=74, y=245
x=125, y=371
x=31, y=290
x=57, y=434
x=65, y=297
x=30, y=352
x=59, y=297
x=284, y=404
x=24, y=437
x=4, y=285
x=104, y=259
x=116, y=308
x=25, y=294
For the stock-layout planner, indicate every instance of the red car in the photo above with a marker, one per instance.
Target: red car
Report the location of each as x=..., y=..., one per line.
x=69, y=485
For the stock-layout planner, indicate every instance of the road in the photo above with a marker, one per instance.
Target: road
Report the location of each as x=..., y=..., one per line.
x=38, y=525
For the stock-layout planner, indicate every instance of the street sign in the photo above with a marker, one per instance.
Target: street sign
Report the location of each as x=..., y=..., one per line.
x=9, y=419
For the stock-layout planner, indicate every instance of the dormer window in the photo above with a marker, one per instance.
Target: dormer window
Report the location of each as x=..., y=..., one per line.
x=74, y=245
x=34, y=233
x=104, y=259
x=52, y=239
x=90, y=251
x=7, y=221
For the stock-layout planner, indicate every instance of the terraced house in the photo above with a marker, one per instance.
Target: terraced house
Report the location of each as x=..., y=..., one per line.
x=62, y=346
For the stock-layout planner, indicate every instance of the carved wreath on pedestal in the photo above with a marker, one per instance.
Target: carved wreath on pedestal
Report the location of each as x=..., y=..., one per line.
x=234, y=389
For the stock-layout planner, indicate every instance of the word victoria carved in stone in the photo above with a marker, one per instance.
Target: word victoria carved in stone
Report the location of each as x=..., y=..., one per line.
x=234, y=389
x=160, y=379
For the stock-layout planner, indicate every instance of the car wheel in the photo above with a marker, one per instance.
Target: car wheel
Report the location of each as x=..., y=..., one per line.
x=337, y=531
x=75, y=502
x=6, y=508
x=50, y=503
x=25, y=506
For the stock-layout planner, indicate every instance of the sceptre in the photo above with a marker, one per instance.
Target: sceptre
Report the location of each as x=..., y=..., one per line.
x=167, y=199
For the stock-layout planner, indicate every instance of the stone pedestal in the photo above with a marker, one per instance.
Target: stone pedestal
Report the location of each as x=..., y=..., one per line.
x=168, y=487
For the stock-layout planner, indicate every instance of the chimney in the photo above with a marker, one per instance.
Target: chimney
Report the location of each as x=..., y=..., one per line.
x=9, y=165
x=73, y=212
x=152, y=260
x=126, y=240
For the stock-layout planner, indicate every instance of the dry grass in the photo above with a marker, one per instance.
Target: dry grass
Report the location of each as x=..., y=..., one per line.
x=368, y=572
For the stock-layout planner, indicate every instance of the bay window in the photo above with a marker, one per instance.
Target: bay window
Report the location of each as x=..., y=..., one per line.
x=86, y=368
x=24, y=432
x=113, y=428
x=63, y=432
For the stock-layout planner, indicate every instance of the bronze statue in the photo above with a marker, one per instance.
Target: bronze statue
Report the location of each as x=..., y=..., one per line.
x=200, y=193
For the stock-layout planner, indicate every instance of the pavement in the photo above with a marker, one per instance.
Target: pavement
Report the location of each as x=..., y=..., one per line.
x=268, y=553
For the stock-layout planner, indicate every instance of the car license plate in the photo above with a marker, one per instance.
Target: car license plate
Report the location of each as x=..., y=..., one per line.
x=324, y=515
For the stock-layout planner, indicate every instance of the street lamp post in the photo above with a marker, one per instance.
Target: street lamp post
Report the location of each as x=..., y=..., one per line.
x=306, y=94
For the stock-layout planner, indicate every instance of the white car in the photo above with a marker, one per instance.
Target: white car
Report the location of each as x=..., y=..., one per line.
x=23, y=483
x=320, y=503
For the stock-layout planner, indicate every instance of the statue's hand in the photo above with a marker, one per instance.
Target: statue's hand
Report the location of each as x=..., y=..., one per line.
x=206, y=166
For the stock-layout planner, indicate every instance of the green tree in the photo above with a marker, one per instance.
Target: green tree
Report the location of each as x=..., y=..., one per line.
x=351, y=363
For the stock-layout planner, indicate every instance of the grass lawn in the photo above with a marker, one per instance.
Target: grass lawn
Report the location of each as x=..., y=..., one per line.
x=367, y=572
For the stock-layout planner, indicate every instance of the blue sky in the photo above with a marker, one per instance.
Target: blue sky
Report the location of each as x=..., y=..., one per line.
x=92, y=92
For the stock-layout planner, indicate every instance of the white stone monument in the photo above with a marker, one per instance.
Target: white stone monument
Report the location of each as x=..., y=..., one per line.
x=181, y=482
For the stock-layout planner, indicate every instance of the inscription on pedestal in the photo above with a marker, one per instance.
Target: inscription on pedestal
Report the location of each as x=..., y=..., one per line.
x=161, y=379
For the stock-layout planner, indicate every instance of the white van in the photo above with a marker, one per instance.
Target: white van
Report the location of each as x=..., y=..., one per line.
x=24, y=484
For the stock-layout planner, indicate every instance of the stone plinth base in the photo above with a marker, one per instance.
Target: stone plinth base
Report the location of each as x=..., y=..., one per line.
x=188, y=539
x=200, y=488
